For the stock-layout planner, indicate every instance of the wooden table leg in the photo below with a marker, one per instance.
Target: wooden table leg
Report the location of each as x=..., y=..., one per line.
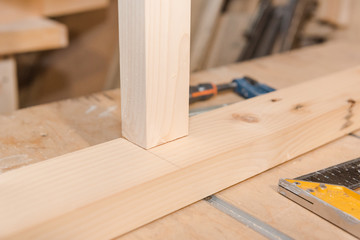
x=8, y=85
x=154, y=68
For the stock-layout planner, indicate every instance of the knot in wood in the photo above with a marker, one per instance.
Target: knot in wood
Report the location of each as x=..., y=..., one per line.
x=246, y=118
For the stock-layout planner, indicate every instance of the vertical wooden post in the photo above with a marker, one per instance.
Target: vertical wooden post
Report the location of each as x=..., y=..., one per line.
x=154, y=68
x=8, y=86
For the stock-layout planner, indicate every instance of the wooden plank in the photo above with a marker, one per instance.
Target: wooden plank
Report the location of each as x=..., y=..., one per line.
x=197, y=7
x=204, y=32
x=229, y=40
x=154, y=63
x=88, y=167
x=335, y=12
x=245, y=139
x=351, y=32
x=8, y=86
x=27, y=6
x=64, y=7
x=66, y=126
x=22, y=32
x=54, y=8
x=258, y=115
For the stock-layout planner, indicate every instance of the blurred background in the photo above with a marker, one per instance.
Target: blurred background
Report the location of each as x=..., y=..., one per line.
x=67, y=49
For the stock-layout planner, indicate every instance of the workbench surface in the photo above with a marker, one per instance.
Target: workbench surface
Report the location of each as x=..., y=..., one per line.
x=39, y=133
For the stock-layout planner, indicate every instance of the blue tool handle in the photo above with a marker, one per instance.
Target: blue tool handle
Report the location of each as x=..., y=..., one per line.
x=248, y=89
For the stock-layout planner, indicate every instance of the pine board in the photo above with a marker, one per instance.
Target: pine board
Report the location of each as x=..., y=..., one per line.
x=154, y=61
x=267, y=131
x=8, y=86
x=39, y=133
x=54, y=8
x=205, y=28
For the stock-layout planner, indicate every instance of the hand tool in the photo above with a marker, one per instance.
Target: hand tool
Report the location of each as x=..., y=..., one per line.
x=245, y=87
x=329, y=193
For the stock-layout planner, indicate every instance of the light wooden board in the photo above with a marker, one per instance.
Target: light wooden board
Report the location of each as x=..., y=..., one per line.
x=197, y=7
x=250, y=137
x=123, y=158
x=39, y=133
x=155, y=62
x=23, y=32
x=203, y=32
x=261, y=115
x=229, y=40
x=64, y=7
x=336, y=12
x=8, y=86
x=55, y=7
x=66, y=126
x=351, y=32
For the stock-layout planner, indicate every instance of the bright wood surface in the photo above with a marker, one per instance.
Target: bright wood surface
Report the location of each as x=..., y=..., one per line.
x=24, y=28
x=246, y=139
x=283, y=111
x=155, y=61
x=87, y=181
x=40, y=133
x=53, y=8
x=8, y=86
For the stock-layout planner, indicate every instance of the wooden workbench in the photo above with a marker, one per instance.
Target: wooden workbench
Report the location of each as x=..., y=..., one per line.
x=39, y=133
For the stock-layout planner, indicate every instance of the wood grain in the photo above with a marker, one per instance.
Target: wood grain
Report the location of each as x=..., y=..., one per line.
x=301, y=109
x=155, y=61
x=87, y=181
x=8, y=86
x=246, y=139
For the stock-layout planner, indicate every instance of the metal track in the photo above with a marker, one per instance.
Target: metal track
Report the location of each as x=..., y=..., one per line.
x=245, y=218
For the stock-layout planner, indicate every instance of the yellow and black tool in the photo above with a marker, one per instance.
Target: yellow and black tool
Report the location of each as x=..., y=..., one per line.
x=332, y=193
